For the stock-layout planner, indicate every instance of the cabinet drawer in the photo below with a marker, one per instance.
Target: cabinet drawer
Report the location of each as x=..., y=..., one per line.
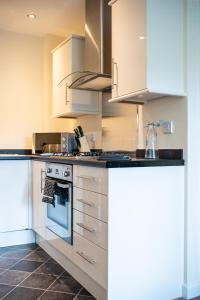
x=92, y=179
x=91, y=259
x=90, y=228
x=91, y=203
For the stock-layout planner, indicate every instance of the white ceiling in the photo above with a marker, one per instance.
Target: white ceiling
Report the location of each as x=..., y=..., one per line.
x=58, y=17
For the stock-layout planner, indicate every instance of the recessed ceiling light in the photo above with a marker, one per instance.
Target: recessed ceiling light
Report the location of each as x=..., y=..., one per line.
x=31, y=16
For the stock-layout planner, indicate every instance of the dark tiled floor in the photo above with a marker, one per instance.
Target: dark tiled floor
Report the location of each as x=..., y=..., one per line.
x=28, y=273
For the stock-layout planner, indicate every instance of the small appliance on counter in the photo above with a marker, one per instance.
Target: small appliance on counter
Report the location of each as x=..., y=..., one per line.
x=81, y=140
x=54, y=142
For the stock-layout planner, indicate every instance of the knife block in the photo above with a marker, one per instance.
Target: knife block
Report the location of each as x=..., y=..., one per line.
x=84, y=144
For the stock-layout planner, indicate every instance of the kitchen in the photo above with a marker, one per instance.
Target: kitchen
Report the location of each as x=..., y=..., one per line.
x=27, y=108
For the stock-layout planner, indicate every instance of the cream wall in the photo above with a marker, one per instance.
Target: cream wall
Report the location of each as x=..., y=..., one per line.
x=119, y=133
x=118, y=125
x=26, y=97
x=21, y=88
x=25, y=89
x=168, y=108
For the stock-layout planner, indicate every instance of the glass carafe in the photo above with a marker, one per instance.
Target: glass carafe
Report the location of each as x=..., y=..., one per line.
x=151, y=142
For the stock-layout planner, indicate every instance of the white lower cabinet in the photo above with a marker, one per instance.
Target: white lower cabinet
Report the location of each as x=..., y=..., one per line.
x=91, y=179
x=123, y=255
x=15, y=195
x=91, y=203
x=39, y=208
x=90, y=222
x=91, y=259
x=90, y=228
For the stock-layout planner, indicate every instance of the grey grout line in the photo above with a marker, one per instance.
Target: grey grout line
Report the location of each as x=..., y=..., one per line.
x=23, y=279
x=51, y=285
x=78, y=294
x=34, y=272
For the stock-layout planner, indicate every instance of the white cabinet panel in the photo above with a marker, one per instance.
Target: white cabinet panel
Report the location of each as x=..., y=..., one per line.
x=146, y=233
x=90, y=228
x=91, y=203
x=15, y=197
x=128, y=50
x=39, y=208
x=91, y=179
x=147, y=49
x=68, y=57
x=90, y=258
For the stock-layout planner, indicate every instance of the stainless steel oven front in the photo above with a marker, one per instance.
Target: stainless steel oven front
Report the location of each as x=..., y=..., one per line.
x=59, y=210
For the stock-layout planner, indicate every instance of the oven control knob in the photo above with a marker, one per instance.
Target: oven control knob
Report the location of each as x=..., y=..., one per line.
x=49, y=170
x=66, y=174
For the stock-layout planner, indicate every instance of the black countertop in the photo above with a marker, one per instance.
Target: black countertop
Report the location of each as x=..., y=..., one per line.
x=93, y=162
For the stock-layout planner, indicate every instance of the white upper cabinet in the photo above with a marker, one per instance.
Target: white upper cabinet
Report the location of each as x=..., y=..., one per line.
x=68, y=57
x=147, y=49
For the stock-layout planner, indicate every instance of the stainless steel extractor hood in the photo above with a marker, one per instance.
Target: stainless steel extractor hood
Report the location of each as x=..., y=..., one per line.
x=97, y=73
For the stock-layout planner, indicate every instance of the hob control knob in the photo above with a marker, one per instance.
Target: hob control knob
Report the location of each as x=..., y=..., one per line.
x=66, y=173
x=49, y=170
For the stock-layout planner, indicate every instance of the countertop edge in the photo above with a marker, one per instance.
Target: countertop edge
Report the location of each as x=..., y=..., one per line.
x=101, y=164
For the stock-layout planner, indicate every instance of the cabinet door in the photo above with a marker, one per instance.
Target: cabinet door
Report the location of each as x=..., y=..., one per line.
x=14, y=200
x=61, y=68
x=39, y=208
x=128, y=46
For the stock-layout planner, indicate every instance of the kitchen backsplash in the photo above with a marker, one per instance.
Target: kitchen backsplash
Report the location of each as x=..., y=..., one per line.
x=117, y=131
x=171, y=109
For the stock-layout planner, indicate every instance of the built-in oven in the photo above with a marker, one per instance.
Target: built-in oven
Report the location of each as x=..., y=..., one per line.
x=58, y=196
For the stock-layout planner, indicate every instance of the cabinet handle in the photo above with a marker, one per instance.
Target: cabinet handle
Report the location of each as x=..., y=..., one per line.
x=66, y=101
x=91, y=230
x=86, y=177
x=41, y=180
x=85, y=257
x=114, y=67
x=85, y=202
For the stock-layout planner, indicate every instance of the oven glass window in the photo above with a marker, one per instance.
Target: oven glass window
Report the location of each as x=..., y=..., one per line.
x=60, y=215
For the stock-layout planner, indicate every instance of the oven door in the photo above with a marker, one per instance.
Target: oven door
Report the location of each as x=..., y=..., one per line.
x=59, y=218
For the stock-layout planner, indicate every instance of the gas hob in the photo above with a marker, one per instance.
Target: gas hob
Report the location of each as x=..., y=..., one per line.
x=95, y=155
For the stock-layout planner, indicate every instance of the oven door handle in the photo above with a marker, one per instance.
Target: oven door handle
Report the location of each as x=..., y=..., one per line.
x=63, y=185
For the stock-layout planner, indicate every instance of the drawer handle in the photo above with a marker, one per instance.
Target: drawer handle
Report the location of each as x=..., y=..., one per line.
x=86, y=177
x=91, y=230
x=85, y=202
x=85, y=257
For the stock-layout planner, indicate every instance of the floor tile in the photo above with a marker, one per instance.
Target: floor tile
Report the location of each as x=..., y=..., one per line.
x=52, y=260
x=21, y=293
x=50, y=268
x=4, y=289
x=66, y=284
x=31, y=246
x=3, y=250
x=38, y=256
x=56, y=296
x=13, y=277
x=66, y=274
x=2, y=270
x=6, y=263
x=26, y=265
x=40, y=281
x=81, y=297
x=16, y=253
x=84, y=292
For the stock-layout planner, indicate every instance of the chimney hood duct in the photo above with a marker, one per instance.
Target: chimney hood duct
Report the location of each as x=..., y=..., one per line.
x=97, y=73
